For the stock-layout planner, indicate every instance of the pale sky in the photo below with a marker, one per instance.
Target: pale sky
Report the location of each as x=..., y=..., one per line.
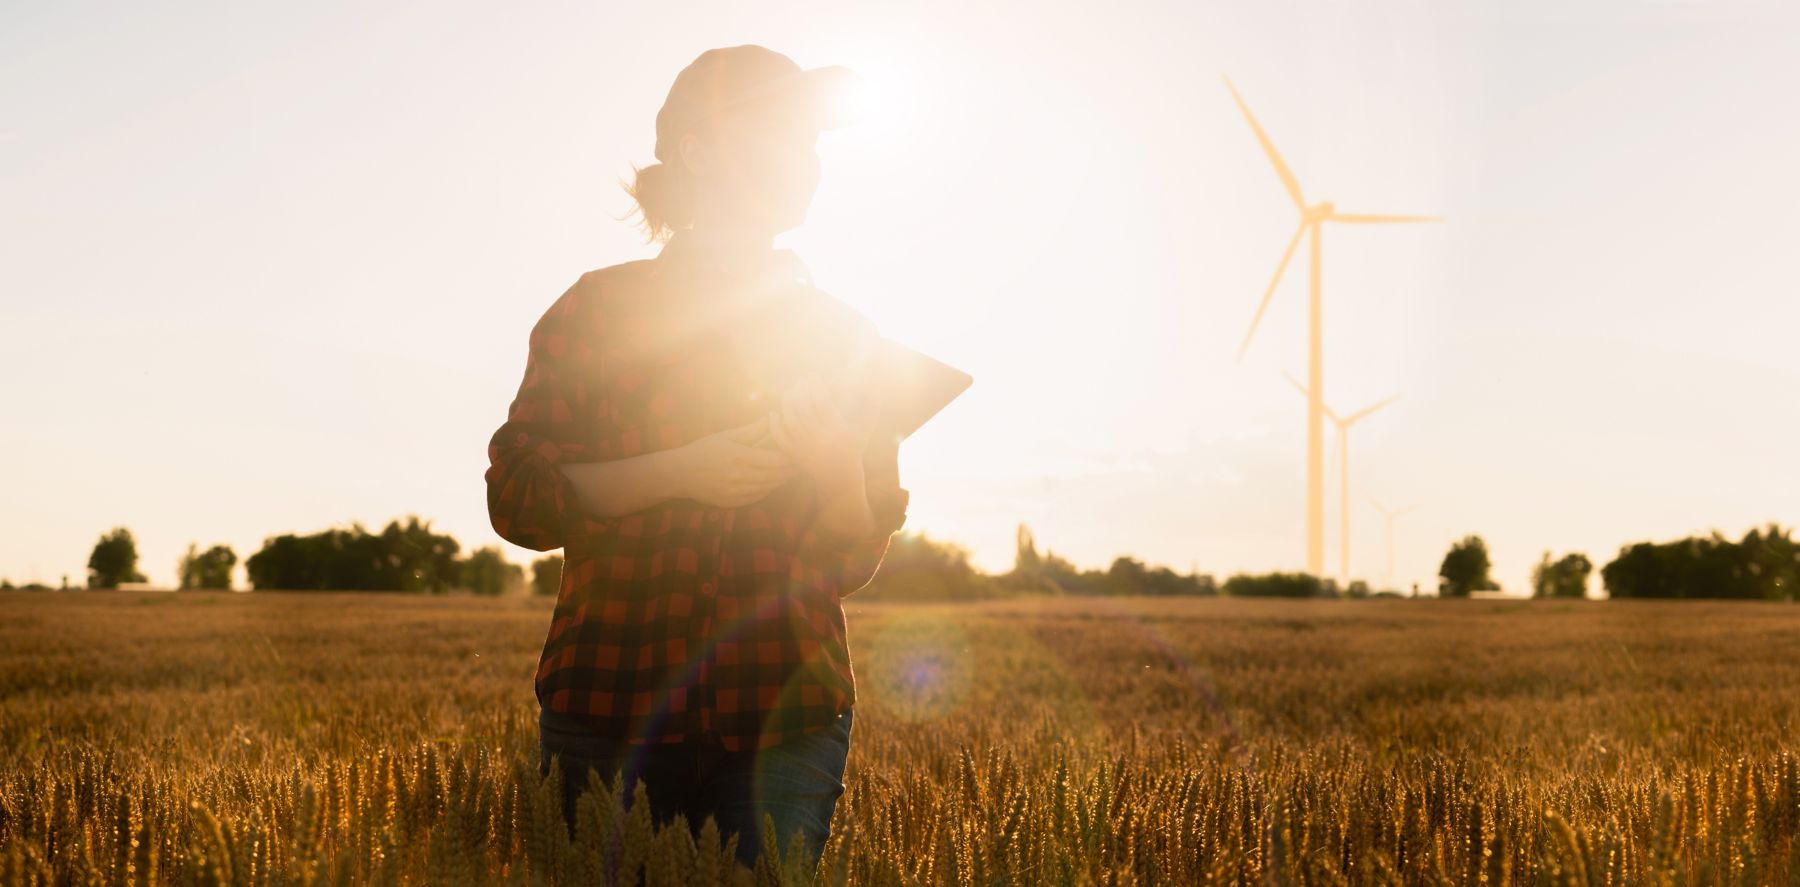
x=271, y=269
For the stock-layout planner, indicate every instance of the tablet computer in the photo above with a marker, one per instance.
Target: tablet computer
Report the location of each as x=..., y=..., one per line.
x=899, y=387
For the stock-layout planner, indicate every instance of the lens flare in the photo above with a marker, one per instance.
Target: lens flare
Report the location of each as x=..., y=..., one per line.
x=916, y=665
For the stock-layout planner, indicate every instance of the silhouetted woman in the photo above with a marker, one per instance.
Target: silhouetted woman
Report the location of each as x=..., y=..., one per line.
x=674, y=435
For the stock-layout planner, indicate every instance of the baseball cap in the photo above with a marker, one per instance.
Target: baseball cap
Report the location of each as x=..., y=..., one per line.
x=734, y=77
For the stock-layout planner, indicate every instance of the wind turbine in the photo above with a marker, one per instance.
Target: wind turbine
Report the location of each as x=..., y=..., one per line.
x=1390, y=515
x=1312, y=216
x=1343, y=435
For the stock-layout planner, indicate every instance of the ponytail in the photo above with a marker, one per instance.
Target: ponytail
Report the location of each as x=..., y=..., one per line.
x=663, y=199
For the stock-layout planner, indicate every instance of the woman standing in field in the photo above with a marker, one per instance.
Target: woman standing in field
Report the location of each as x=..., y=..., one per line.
x=674, y=436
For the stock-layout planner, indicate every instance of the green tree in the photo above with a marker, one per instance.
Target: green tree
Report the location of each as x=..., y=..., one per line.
x=1127, y=575
x=420, y=559
x=1764, y=565
x=114, y=560
x=1465, y=569
x=1275, y=584
x=1025, y=553
x=546, y=575
x=209, y=569
x=917, y=567
x=487, y=573
x=1564, y=578
x=1772, y=560
x=403, y=557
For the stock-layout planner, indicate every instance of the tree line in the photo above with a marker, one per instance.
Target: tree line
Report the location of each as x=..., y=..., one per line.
x=1763, y=565
x=408, y=556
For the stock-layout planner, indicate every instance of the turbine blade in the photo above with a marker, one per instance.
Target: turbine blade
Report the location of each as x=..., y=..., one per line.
x=1281, y=168
x=1270, y=293
x=1372, y=219
x=1303, y=393
x=1367, y=410
x=1378, y=506
x=1406, y=509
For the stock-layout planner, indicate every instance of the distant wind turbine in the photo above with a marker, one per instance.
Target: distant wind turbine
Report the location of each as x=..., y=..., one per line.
x=1311, y=217
x=1343, y=437
x=1390, y=515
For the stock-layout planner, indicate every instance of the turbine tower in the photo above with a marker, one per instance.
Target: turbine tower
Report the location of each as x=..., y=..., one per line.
x=1312, y=216
x=1390, y=515
x=1343, y=440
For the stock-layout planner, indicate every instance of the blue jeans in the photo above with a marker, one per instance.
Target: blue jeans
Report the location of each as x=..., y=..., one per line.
x=797, y=783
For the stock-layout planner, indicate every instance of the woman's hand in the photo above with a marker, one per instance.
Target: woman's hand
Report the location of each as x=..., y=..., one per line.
x=727, y=469
x=810, y=429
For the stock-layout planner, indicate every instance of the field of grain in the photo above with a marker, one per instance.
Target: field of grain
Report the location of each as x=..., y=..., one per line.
x=289, y=738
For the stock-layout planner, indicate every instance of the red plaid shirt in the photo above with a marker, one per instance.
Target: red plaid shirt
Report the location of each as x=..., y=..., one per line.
x=682, y=621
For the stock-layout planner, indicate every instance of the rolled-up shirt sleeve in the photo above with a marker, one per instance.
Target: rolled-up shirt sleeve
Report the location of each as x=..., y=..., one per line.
x=531, y=503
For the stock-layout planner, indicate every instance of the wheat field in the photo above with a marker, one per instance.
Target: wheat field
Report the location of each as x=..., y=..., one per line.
x=340, y=738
